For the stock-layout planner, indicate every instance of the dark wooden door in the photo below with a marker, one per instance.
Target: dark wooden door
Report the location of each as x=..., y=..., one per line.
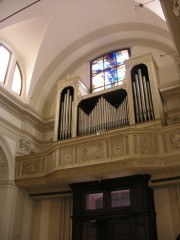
x=114, y=209
x=121, y=230
x=108, y=230
x=95, y=230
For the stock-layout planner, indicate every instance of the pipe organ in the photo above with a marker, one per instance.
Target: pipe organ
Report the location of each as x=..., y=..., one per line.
x=79, y=113
x=143, y=105
x=104, y=112
x=65, y=114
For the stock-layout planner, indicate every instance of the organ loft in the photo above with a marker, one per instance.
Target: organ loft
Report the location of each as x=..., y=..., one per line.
x=111, y=149
x=135, y=102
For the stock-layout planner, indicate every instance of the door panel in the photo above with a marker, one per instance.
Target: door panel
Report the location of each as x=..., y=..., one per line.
x=94, y=231
x=121, y=230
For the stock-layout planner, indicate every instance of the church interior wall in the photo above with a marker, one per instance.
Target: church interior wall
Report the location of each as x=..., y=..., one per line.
x=24, y=218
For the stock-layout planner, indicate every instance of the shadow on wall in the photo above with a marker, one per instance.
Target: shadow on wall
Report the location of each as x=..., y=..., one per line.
x=178, y=237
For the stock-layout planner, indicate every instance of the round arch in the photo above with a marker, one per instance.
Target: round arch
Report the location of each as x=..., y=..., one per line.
x=6, y=168
x=49, y=103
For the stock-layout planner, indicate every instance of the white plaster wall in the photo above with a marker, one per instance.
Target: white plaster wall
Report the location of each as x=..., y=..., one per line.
x=27, y=218
x=164, y=214
x=6, y=209
x=49, y=135
x=168, y=73
x=36, y=133
x=44, y=221
x=83, y=72
x=52, y=219
x=17, y=213
x=3, y=195
x=174, y=192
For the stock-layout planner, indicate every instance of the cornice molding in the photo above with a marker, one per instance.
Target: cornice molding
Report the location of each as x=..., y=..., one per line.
x=7, y=184
x=23, y=111
x=170, y=90
x=16, y=133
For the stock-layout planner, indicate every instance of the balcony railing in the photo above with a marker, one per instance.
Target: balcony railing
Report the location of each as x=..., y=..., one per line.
x=141, y=150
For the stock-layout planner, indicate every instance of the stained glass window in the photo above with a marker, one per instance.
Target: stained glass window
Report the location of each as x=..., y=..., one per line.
x=4, y=62
x=108, y=70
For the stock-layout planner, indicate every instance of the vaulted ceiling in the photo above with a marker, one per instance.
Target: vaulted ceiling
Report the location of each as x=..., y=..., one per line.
x=52, y=38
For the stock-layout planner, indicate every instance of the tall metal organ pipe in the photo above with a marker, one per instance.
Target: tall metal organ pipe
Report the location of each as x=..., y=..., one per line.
x=103, y=116
x=65, y=119
x=143, y=105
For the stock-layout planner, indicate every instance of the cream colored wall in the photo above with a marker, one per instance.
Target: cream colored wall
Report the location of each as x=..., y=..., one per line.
x=52, y=219
x=7, y=196
x=167, y=202
x=174, y=192
x=22, y=218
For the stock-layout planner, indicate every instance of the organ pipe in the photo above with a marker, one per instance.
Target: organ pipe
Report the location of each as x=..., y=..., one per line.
x=65, y=121
x=143, y=106
x=103, y=116
x=142, y=95
x=139, y=97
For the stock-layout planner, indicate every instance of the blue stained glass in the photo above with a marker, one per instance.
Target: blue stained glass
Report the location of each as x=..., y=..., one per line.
x=109, y=60
x=111, y=75
x=108, y=70
x=98, y=80
x=121, y=72
x=97, y=66
x=122, y=56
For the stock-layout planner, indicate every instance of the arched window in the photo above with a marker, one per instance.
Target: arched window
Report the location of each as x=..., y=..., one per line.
x=108, y=70
x=5, y=55
x=17, y=80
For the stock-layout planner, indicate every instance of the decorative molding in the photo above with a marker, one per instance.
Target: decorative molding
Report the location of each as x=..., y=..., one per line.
x=3, y=165
x=92, y=151
x=117, y=146
x=68, y=155
x=170, y=92
x=7, y=184
x=31, y=167
x=154, y=150
x=24, y=112
x=146, y=144
x=16, y=133
x=173, y=120
x=51, y=164
x=174, y=139
x=176, y=7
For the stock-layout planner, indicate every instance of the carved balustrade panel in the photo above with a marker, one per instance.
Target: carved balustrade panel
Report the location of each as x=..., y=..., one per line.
x=133, y=147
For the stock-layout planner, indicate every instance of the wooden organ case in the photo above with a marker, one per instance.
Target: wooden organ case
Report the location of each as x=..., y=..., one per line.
x=136, y=101
x=114, y=209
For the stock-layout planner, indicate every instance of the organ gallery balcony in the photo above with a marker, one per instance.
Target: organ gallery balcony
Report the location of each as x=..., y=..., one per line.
x=125, y=151
x=113, y=133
